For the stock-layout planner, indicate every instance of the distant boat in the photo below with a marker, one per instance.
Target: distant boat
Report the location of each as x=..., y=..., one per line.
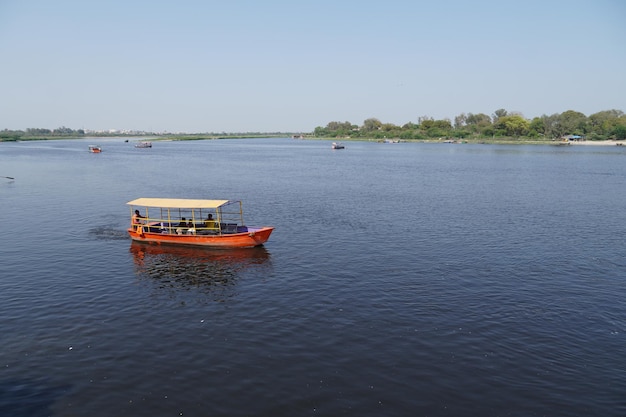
x=95, y=149
x=144, y=144
x=338, y=145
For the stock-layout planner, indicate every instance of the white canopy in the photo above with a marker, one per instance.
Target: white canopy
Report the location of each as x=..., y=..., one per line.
x=182, y=203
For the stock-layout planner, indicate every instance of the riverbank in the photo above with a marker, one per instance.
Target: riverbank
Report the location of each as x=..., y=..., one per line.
x=599, y=143
x=495, y=141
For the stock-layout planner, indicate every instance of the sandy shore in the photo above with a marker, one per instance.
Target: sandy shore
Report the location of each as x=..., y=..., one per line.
x=599, y=143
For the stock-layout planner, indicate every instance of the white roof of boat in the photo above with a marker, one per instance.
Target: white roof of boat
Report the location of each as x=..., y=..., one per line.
x=178, y=203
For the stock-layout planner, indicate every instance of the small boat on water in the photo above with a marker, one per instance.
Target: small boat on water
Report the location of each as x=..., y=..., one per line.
x=144, y=144
x=208, y=223
x=95, y=149
x=338, y=145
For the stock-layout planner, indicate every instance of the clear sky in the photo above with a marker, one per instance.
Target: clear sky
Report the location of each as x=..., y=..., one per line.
x=274, y=65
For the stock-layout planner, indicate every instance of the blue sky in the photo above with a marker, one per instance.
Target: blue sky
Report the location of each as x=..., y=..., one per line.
x=247, y=66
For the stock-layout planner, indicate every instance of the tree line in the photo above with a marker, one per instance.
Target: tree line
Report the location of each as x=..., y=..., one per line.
x=38, y=133
x=607, y=124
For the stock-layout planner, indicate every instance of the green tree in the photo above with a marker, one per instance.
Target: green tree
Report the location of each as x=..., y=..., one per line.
x=439, y=124
x=573, y=122
x=619, y=132
x=422, y=119
x=335, y=129
x=437, y=128
x=475, y=119
x=320, y=132
x=435, y=132
x=601, y=125
x=62, y=131
x=427, y=124
x=460, y=121
x=388, y=127
x=38, y=132
x=498, y=114
x=604, y=122
x=371, y=124
x=10, y=135
x=537, y=127
x=514, y=125
x=552, y=127
x=477, y=123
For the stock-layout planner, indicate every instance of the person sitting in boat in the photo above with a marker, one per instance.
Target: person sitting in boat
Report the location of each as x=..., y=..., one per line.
x=137, y=220
x=181, y=226
x=191, y=228
x=209, y=223
x=137, y=217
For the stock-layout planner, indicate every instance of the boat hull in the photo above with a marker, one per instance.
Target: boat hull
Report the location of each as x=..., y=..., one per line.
x=252, y=236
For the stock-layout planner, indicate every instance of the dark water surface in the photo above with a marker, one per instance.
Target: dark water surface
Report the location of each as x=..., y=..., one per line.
x=401, y=280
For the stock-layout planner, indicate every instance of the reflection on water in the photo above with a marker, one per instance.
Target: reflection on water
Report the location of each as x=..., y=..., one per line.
x=186, y=268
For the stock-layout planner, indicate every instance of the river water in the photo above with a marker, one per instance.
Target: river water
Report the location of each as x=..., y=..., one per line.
x=401, y=279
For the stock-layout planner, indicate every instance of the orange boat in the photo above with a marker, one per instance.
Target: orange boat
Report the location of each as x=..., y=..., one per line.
x=95, y=149
x=209, y=223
